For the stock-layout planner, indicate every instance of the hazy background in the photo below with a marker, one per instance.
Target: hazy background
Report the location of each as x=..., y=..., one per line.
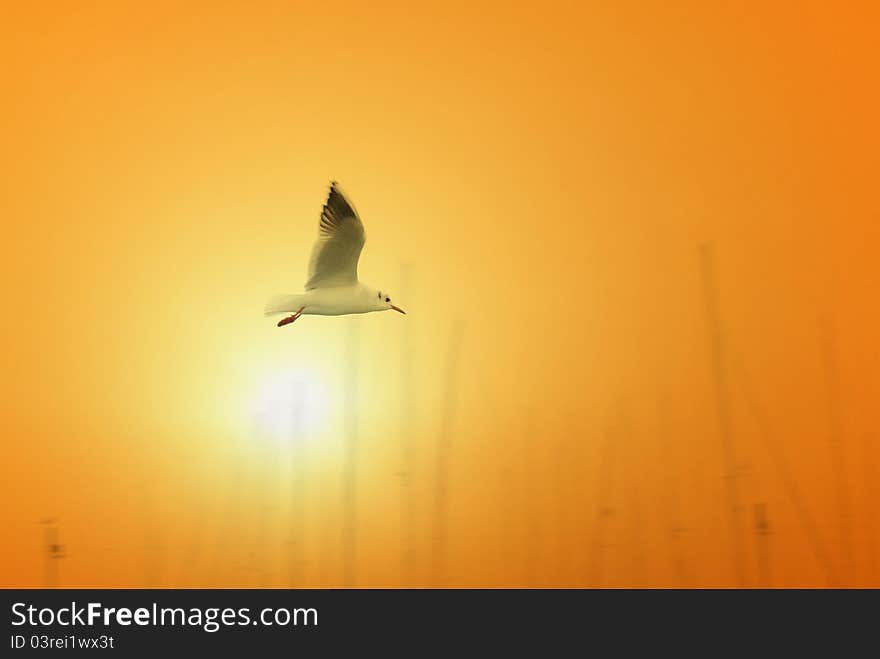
x=547, y=414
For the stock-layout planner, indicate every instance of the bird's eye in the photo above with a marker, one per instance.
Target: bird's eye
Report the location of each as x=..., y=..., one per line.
x=388, y=299
x=379, y=295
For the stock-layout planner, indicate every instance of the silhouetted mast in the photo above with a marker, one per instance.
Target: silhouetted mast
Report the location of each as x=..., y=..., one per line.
x=872, y=497
x=54, y=552
x=441, y=466
x=349, y=498
x=506, y=479
x=672, y=503
x=762, y=539
x=603, y=508
x=637, y=548
x=263, y=552
x=298, y=491
x=234, y=510
x=559, y=474
x=783, y=470
x=838, y=454
x=532, y=535
x=407, y=495
x=153, y=545
x=721, y=395
x=191, y=560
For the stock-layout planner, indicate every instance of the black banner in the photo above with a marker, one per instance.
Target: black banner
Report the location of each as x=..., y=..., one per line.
x=419, y=622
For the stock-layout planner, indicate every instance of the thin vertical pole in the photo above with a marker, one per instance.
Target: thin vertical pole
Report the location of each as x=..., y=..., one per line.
x=531, y=538
x=153, y=544
x=349, y=497
x=785, y=474
x=637, y=547
x=762, y=539
x=250, y=501
x=603, y=509
x=721, y=395
x=636, y=532
x=407, y=494
x=508, y=538
x=672, y=502
x=872, y=495
x=560, y=476
x=191, y=560
x=298, y=491
x=53, y=551
x=264, y=553
x=443, y=457
x=837, y=451
x=230, y=515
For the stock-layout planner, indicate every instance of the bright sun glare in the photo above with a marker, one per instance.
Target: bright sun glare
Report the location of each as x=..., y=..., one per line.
x=290, y=406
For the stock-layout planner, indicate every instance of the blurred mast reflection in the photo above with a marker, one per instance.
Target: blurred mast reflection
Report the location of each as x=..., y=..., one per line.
x=731, y=472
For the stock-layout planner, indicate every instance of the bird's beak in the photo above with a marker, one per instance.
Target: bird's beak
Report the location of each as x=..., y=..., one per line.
x=398, y=309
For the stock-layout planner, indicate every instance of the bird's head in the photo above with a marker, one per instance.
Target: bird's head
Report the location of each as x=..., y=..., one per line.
x=383, y=302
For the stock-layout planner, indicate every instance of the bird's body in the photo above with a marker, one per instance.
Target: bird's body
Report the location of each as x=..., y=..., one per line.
x=334, y=301
x=332, y=287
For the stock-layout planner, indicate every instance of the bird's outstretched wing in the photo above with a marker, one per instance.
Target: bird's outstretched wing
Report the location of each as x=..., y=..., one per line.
x=335, y=255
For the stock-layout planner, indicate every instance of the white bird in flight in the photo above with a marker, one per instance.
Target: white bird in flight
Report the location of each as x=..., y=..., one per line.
x=332, y=288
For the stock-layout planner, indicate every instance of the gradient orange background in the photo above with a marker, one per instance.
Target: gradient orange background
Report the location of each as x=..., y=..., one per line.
x=547, y=174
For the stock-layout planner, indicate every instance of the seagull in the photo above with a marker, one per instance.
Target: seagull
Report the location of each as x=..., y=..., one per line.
x=332, y=287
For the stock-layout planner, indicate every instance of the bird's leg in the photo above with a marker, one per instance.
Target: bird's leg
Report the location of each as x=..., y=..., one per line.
x=290, y=319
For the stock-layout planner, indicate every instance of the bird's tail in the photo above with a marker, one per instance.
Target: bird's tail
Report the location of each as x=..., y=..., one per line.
x=282, y=304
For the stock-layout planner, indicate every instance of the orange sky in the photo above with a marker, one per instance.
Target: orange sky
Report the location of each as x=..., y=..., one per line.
x=547, y=174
